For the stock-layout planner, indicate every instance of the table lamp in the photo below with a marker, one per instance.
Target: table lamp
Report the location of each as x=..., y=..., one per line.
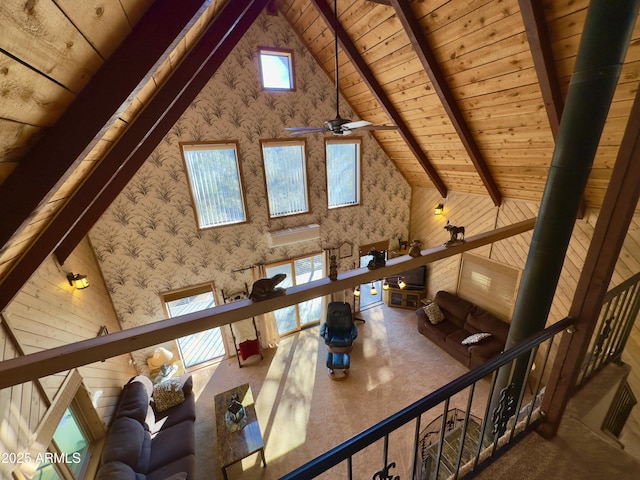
x=161, y=358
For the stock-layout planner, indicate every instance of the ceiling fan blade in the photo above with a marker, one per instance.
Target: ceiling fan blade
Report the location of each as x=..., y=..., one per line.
x=356, y=124
x=379, y=127
x=304, y=130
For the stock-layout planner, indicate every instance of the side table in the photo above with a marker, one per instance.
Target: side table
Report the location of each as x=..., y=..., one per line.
x=234, y=446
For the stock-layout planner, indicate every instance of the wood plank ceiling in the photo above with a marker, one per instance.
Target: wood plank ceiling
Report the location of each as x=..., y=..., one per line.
x=475, y=87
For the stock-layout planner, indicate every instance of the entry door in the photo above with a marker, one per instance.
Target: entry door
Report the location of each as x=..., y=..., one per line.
x=299, y=271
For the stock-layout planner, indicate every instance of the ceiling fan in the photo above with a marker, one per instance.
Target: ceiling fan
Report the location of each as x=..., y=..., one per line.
x=339, y=125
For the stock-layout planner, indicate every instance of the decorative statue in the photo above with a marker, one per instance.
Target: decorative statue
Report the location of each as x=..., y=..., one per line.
x=333, y=268
x=456, y=233
x=265, y=288
x=414, y=249
x=378, y=259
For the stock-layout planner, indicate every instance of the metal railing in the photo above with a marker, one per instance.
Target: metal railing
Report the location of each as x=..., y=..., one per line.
x=619, y=411
x=401, y=456
x=617, y=316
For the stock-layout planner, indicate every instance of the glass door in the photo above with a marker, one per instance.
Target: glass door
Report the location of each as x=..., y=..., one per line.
x=200, y=347
x=298, y=271
x=370, y=293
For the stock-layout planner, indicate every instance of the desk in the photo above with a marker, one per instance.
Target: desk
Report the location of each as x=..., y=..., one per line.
x=234, y=446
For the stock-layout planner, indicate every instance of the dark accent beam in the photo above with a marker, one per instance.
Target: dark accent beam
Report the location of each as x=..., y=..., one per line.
x=59, y=359
x=430, y=64
x=367, y=76
x=611, y=229
x=136, y=144
x=535, y=26
x=95, y=109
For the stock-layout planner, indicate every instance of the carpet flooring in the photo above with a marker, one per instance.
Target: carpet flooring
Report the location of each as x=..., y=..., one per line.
x=303, y=412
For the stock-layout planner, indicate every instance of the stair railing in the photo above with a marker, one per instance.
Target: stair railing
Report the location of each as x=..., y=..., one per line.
x=517, y=413
x=618, y=314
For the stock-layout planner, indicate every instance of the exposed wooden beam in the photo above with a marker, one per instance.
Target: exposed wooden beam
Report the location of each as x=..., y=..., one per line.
x=64, y=145
x=136, y=144
x=419, y=41
x=163, y=111
x=535, y=26
x=367, y=76
x=59, y=359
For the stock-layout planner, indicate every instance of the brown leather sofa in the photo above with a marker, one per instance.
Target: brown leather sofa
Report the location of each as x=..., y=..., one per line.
x=461, y=320
x=144, y=443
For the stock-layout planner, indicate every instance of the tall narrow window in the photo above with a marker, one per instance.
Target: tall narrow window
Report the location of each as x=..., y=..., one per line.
x=276, y=68
x=285, y=169
x=216, y=183
x=343, y=172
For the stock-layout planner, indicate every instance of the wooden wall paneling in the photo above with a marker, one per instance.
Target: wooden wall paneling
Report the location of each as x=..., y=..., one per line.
x=104, y=24
x=19, y=136
x=48, y=312
x=53, y=45
x=29, y=97
x=22, y=406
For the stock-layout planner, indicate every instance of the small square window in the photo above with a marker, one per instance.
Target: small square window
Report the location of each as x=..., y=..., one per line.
x=276, y=69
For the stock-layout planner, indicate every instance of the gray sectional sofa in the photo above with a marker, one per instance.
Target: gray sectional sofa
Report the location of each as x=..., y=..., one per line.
x=148, y=439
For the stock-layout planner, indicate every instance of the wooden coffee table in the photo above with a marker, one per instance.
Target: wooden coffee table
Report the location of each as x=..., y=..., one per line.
x=234, y=446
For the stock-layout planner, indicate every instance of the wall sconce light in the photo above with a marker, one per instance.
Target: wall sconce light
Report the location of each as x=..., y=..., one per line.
x=77, y=280
x=385, y=284
x=439, y=209
x=402, y=283
x=374, y=290
x=356, y=291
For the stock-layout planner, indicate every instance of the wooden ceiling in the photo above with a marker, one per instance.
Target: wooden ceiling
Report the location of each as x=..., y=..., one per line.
x=476, y=88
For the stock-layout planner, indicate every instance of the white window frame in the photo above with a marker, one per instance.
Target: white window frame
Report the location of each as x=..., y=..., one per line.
x=69, y=396
x=198, y=183
x=294, y=175
x=287, y=56
x=356, y=180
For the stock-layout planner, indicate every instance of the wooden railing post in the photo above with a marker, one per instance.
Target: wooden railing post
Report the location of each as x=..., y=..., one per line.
x=611, y=229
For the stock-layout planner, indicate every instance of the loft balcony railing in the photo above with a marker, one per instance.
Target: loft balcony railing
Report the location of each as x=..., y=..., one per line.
x=462, y=444
x=383, y=452
x=617, y=316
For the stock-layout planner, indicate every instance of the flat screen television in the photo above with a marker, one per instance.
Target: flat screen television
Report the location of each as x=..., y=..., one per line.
x=416, y=279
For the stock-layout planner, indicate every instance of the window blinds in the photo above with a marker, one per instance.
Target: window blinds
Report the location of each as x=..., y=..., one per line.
x=489, y=284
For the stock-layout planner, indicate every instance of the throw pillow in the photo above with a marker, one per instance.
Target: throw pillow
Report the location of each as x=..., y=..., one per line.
x=434, y=314
x=168, y=394
x=178, y=476
x=475, y=338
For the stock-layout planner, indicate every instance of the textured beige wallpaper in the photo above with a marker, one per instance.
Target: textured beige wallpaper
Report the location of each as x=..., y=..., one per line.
x=148, y=240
